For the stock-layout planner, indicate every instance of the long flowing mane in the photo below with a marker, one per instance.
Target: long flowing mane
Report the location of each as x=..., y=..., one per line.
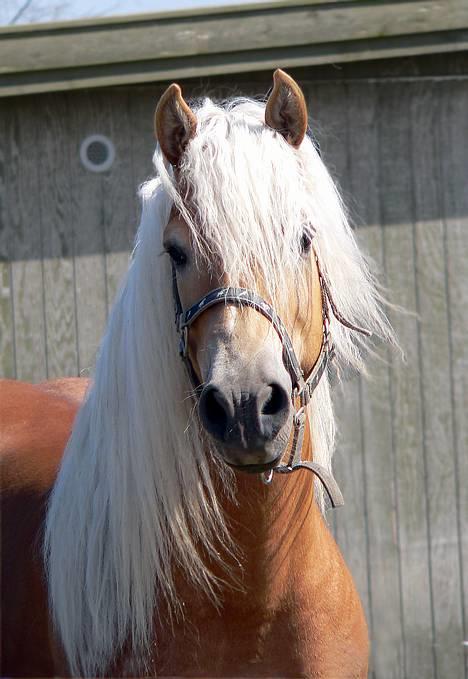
x=135, y=493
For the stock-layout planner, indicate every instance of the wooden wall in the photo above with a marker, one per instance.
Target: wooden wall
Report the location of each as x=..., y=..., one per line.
x=399, y=148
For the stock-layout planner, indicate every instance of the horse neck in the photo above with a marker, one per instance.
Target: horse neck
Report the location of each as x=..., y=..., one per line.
x=278, y=529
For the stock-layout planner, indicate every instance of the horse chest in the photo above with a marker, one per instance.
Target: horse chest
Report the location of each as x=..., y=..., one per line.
x=296, y=640
x=232, y=642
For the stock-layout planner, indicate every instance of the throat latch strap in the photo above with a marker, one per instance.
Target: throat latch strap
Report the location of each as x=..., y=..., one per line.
x=327, y=479
x=295, y=463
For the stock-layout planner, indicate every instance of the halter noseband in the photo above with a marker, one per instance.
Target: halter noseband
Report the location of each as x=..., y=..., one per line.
x=303, y=388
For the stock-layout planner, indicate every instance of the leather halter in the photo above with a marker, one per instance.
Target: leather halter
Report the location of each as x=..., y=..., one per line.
x=303, y=388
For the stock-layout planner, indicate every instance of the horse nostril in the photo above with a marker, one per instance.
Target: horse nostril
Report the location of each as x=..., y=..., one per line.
x=249, y=421
x=276, y=400
x=213, y=410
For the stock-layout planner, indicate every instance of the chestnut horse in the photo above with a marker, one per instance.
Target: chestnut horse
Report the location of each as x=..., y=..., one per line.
x=134, y=541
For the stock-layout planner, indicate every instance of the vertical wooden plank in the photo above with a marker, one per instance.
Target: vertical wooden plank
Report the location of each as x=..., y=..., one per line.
x=435, y=367
x=142, y=105
x=329, y=105
x=120, y=215
x=88, y=115
x=453, y=157
x=24, y=223
x=7, y=348
x=379, y=463
x=397, y=214
x=360, y=105
x=57, y=235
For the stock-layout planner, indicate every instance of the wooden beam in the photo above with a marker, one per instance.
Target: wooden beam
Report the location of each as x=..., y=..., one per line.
x=185, y=44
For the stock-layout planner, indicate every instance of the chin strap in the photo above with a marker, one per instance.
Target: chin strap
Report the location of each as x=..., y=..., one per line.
x=294, y=463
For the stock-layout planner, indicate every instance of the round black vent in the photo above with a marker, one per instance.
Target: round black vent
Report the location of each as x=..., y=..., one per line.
x=97, y=153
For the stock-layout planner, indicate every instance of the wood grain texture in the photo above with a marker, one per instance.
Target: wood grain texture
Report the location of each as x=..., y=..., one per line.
x=54, y=203
x=431, y=282
x=453, y=136
x=217, y=41
x=450, y=43
x=361, y=169
x=7, y=336
x=395, y=181
x=88, y=115
x=142, y=140
x=23, y=221
x=118, y=191
x=379, y=467
x=400, y=153
x=143, y=143
x=136, y=40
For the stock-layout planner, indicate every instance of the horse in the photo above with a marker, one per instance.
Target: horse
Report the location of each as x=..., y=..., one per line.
x=167, y=518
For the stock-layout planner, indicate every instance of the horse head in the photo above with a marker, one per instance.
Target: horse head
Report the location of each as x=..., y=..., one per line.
x=238, y=365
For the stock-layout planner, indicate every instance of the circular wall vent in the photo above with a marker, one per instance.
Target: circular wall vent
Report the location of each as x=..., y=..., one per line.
x=97, y=153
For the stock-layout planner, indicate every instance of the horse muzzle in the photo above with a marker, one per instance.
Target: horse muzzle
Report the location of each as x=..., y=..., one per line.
x=249, y=424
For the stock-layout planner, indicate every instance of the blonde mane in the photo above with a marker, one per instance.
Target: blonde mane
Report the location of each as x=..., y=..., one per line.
x=135, y=492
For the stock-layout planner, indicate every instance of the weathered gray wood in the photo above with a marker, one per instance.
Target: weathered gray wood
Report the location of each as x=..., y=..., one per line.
x=133, y=39
x=431, y=281
x=453, y=159
x=118, y=190
x=148, y=48
x=7, y=339
x=7, y=345
x=23, y=222
x=363, y=168
x=402, y=458
x=232, y=63
x=361, y=171
x=54, y=210
x=395, y=184
x=328, y=106
x=379, y=473
x=88, y=116
x=143, y=142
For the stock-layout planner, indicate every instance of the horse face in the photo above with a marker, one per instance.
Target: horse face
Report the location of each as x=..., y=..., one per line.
x=246, y=403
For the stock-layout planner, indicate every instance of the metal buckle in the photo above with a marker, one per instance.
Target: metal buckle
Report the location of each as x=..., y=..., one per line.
x=267, y=477
x=305, y=396
x=299, y=417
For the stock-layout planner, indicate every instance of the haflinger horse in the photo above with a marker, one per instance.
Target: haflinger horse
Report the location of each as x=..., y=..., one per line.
x=182, y=532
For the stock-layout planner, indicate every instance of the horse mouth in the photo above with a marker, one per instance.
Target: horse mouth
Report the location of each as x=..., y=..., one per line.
x=255, y=460
x=256, y=468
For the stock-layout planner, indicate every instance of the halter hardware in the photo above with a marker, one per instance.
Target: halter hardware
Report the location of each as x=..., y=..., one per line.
x=302, y=388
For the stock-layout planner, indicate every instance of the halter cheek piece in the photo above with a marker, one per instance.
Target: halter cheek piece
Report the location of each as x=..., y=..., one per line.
x=303, y=388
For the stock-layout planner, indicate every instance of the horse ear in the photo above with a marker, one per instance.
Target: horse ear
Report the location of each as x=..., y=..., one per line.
x=175, y=124
x=286, y=109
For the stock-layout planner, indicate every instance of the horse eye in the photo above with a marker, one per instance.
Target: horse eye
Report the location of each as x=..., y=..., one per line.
x=306, y=243
x=177, y=255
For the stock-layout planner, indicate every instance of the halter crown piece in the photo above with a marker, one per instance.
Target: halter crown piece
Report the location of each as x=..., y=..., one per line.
x=302, y=388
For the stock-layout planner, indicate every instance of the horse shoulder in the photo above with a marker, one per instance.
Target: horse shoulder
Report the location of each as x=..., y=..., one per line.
x=336, y=618
x=36, y=423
